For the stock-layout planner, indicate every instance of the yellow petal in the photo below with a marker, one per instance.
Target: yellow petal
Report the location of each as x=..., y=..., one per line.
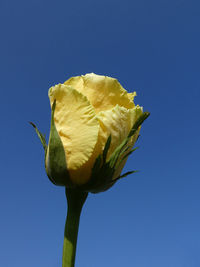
x=83, y=174
x=137, y=112
x=76, y=123
x=103, y=92
x=117, y=122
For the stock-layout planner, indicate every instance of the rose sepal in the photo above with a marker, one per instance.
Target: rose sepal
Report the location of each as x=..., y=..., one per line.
x=55, y=160
x=41, y=137
x=55, y=163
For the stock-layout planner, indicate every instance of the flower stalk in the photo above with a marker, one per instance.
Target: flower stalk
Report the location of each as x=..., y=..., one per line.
x=75, y=201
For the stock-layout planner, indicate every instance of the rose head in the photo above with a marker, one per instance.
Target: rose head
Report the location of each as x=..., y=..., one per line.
x=94, y=126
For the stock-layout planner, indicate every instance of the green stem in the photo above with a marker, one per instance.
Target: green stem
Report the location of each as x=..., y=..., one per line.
x=75, y=201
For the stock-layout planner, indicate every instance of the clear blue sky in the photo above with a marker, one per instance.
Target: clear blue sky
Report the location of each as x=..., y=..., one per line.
x=150, y=219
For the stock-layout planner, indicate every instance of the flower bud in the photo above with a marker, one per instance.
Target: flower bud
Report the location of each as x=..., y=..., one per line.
x=94, y=125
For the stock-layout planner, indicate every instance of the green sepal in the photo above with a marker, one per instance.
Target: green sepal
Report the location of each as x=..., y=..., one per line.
x=119, y=151
x=138, y=122
x=125, y=174
x=103, y=171
x=41, y=137
x=106, y=148
x=126, y=155
x=56, y=166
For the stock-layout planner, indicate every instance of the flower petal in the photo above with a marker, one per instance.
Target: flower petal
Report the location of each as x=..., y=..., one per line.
x=118, y=122
x=137, y=112
x=103, y=92
x=76, y=123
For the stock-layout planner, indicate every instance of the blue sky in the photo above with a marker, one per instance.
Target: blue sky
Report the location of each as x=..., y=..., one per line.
x=150, y=219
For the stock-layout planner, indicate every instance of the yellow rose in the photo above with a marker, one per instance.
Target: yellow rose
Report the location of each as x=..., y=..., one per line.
x=94, y=125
